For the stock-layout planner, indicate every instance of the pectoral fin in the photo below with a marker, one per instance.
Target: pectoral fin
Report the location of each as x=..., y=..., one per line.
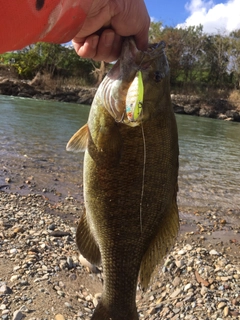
x=160, y=245
x=86, y=242
x=79, y=141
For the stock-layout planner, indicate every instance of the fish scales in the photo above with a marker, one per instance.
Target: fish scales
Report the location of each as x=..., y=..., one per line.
x=130, y=180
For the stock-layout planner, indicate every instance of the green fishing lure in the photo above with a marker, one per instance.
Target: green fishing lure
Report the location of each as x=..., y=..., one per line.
x=134, y=98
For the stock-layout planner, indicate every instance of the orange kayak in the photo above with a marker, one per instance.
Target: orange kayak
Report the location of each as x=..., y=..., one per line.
x=29, y=21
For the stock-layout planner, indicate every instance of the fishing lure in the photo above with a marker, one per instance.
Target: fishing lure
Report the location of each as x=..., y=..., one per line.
x=134, y=98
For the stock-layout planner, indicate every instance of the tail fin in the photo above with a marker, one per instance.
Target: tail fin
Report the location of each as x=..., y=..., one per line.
x=104, y=313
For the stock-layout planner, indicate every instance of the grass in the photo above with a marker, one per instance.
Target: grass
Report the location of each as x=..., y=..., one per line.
x=46, y=82
x=234, y=98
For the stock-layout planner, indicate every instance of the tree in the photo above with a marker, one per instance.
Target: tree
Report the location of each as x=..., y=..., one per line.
x=234, y=52
x=155, y=32
x=192, y=53
x=54, y=59
x=217, y=59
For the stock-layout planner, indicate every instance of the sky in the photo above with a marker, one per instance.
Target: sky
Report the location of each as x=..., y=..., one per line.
x=215, y=16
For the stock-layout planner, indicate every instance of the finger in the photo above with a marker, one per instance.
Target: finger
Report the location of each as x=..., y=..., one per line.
x=105, y=44
x=86, y=48
x=109, y=46
x=141, y=38
x=116, y=48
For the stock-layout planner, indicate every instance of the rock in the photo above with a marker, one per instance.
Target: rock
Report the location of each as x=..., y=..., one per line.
x=59, y=317
x=222, y=116
x=207, y=111
x=226, y=311
x=3, y=307
x=52, y=227
x=187, y=287
x=204, y=290
x=181, y=252
x=233, y=114
x=214, y=253
x=176, y=293
x=13, y=251
x=70, y=262
x=152, y=311
x=221, y=305
x=179, y=263
x=14, y=277
x=68, y=305
x=18, y=230
x=4, y=289
x=223, y=221
x=192, y=109
x=176, y=281
x=178, y=109
x=6, y=311
x=61, y=293
x=59, y=233
x=17, y=315
x=201, y=280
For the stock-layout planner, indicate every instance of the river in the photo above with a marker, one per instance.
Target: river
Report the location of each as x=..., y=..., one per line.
x=34, y=134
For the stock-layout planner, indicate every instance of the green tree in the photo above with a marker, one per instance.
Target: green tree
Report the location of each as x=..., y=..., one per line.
x=54, y=59
x=192, y=54
x=155, y=32
x=234, y=52
x=217, y=59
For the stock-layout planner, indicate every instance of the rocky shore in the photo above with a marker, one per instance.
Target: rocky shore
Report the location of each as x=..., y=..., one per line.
x=182, y=104
x=35, y=90
x=41, y=276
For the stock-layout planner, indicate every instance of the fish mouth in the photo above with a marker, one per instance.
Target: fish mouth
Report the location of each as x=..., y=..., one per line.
x=124, y=86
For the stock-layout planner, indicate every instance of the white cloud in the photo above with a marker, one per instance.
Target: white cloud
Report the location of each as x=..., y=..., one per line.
x=222, y=17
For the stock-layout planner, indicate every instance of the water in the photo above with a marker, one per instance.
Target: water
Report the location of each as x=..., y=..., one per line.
x=36, y=132
x=209, y=162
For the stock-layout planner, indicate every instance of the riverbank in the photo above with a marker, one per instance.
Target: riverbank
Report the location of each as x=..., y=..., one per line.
x=216, y=108
x=41, y=276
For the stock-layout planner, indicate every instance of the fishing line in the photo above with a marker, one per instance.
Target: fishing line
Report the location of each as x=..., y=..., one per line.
x=143, y=172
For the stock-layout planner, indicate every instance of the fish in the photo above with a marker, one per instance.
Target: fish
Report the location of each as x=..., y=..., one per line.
x=130, y=177
x=27, y=22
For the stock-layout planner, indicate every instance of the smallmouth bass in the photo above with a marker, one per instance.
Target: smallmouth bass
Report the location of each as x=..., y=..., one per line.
x=130, y=177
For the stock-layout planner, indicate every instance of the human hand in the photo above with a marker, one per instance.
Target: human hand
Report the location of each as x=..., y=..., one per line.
x=107, y=22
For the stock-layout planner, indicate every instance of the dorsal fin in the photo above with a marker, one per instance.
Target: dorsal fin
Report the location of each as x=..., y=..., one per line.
x=79, y=141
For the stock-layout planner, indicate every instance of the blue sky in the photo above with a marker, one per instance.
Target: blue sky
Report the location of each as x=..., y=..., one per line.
x=170, y=12
x=214, y=15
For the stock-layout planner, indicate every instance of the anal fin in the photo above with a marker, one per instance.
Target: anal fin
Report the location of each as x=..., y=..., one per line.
x=161, y=244
x=86, y=242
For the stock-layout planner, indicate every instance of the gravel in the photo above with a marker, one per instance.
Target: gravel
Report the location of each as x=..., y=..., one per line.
x=43, y=277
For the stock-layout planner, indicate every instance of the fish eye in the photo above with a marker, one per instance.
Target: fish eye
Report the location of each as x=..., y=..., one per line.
x=157, y=76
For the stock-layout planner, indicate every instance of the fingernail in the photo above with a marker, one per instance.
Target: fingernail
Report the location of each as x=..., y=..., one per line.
x=108, y=39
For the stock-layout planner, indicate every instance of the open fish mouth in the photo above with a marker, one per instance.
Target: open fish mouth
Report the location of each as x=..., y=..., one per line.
x=123, y=87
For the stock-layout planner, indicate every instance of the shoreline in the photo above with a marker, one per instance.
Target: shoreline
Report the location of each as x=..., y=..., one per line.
x=182, y=104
